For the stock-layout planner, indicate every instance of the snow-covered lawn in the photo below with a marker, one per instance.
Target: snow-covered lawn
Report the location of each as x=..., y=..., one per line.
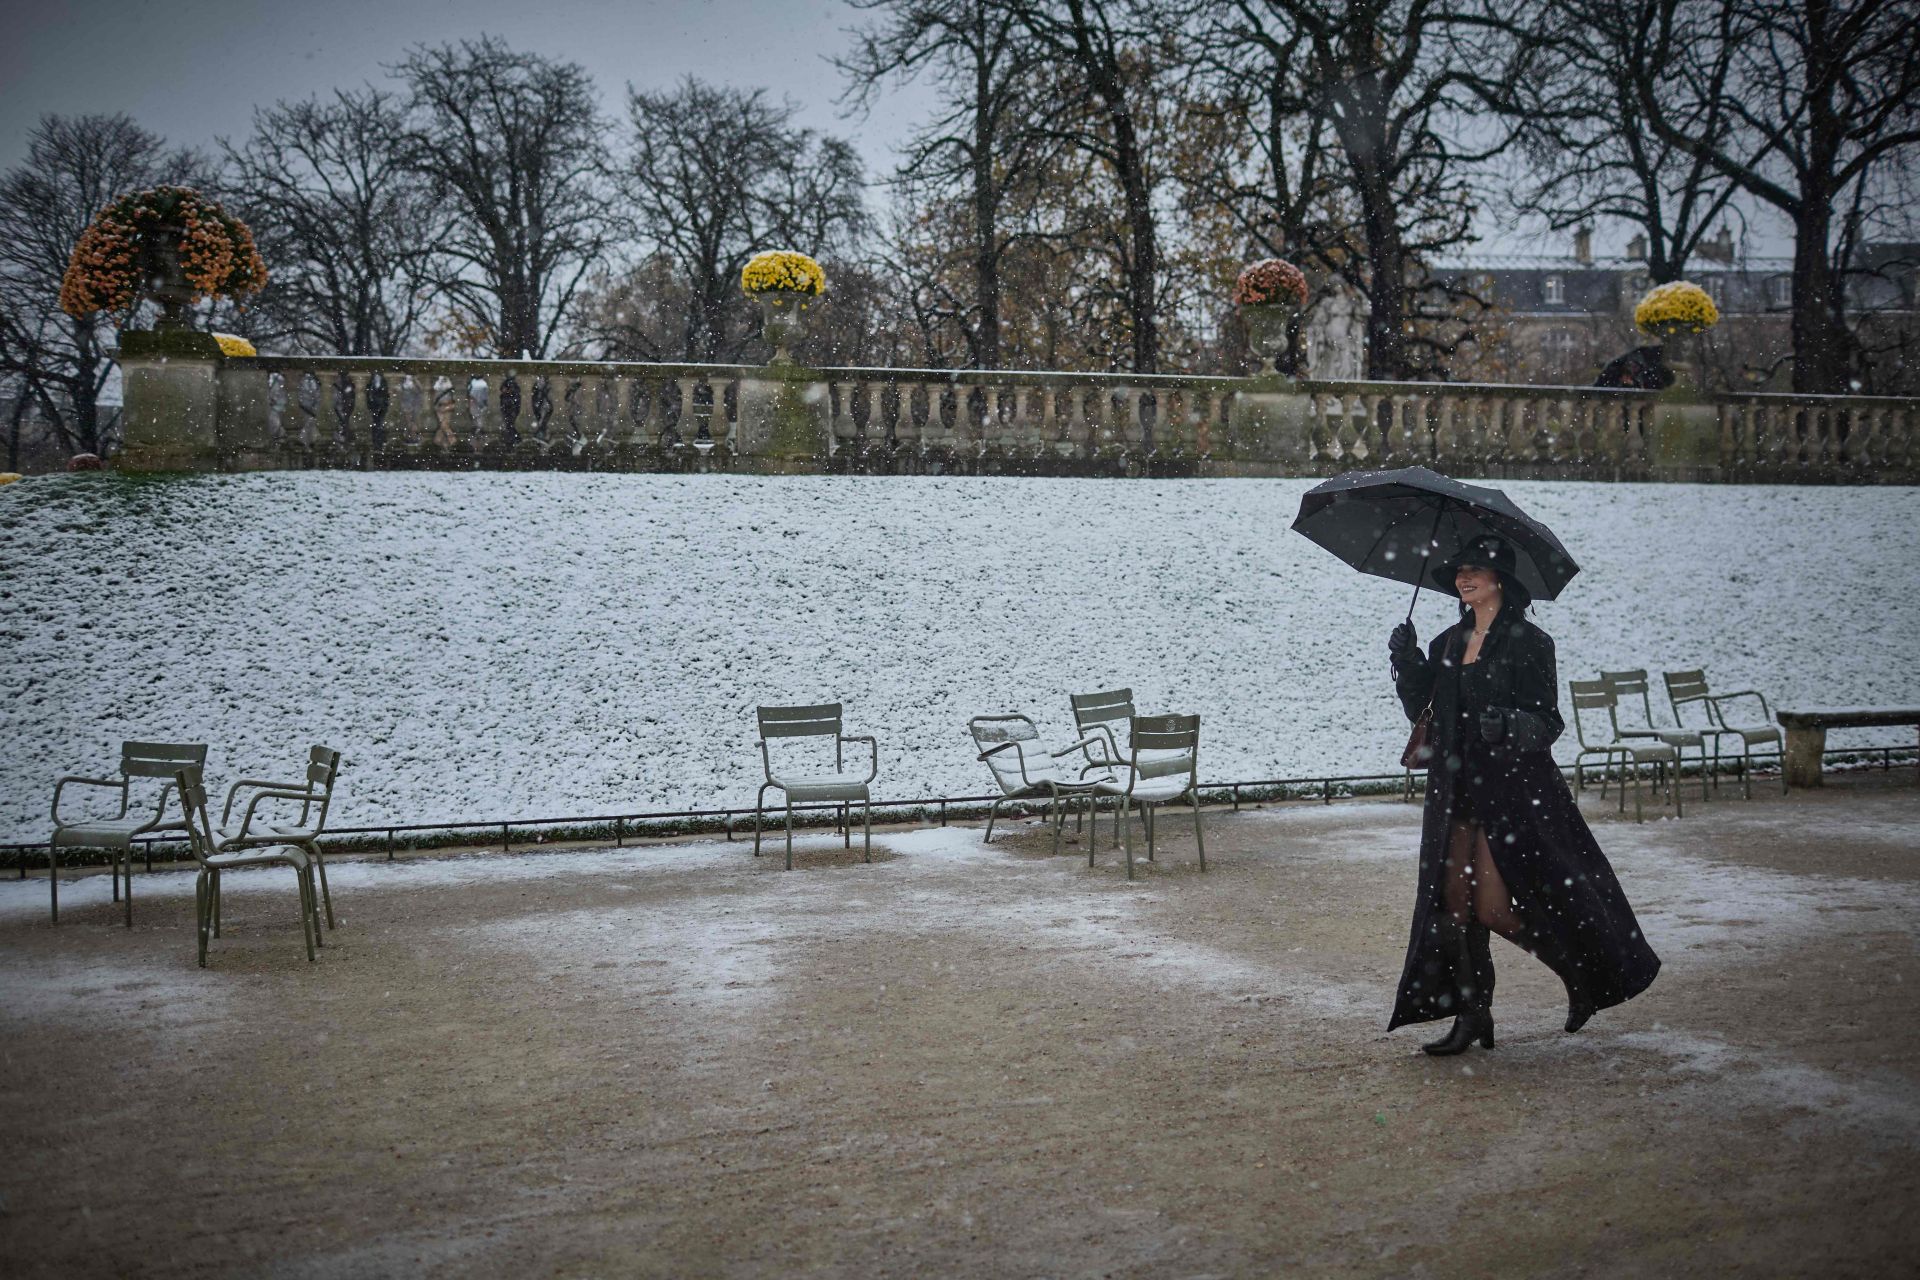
x=529, y=645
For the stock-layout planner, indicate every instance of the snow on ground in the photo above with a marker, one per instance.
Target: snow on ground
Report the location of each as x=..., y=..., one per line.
x=531, y=645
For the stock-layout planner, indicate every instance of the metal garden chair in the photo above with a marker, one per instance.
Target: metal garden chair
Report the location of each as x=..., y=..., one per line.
x=820, y=721
x=1592, y=697
x=1626, y=686
x=314, y=796
x=117, y=834
x=1686, y=687
x=1025, y=769
x=1095, y=714
x=216, y=856
x=1163, y=766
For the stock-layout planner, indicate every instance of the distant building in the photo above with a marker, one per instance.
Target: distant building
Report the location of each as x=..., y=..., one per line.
x=1558, y=320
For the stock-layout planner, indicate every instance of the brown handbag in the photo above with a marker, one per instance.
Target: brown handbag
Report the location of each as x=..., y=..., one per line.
x=1420, y=742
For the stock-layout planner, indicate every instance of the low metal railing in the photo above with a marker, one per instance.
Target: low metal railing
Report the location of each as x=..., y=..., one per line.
x=660, y=824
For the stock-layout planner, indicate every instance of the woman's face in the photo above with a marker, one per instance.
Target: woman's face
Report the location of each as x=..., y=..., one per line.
x=1477, y=586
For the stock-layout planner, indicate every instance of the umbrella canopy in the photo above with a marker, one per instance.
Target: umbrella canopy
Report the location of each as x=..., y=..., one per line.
x=1407, y=523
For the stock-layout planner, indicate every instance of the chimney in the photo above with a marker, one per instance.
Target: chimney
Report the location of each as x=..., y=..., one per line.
x=1583, y=246
x=1637, y=248
x=1720, y=248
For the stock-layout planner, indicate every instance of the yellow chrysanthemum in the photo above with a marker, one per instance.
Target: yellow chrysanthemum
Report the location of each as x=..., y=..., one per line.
x=8, y=477
x=1678, y=307
x=782, y=269
x=232, y=344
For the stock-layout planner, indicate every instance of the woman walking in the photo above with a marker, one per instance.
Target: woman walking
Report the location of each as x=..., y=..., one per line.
x=1503, y=847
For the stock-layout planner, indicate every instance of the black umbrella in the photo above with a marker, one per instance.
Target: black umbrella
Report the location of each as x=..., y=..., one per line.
x=1393, y=524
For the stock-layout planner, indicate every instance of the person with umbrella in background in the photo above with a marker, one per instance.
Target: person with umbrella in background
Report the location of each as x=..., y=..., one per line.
x=1503, y=846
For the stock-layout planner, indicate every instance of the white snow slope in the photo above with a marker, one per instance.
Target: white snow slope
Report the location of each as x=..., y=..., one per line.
x=523, y=645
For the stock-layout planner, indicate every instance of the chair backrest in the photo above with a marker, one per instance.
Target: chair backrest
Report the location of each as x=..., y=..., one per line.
x=1627, y=685
x=1100, y=712
x=1026, y=752
x=821, y=720
x=323, y=766
x=161, y=759
x=1591, y=696
x=193, y=803
x=1688, y=686
x=1164, y=745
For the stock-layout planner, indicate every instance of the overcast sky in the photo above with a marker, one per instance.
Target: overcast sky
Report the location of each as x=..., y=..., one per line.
x=193, y=70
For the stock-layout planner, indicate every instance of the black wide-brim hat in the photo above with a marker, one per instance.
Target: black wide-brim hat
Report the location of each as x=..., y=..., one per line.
x=1486, y=552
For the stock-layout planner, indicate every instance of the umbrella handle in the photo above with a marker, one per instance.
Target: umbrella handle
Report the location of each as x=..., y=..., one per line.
x=1439, y=511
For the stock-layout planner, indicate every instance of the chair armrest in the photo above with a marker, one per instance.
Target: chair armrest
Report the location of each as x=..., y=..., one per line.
x=1765, y=711
x=61, y=785
x=246, y=823
x=1081, y=745
x=226, y=810
x=1021, y=756
x=874, y=748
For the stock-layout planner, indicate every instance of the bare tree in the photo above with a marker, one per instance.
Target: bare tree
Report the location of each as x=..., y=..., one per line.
x=348, y=228
x=1385, y=77
x=1586, y=152
x=515, y=145
x=75, y=166
x=1105, y=46
x=715, y=175
x=1818, y=96
x=987, y=142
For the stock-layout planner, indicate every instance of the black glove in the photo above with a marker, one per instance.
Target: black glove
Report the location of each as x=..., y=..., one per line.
x=1403, y=643
x=1493, y=724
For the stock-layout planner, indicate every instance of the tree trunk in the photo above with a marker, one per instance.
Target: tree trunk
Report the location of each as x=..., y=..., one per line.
x=1820, y=337
x=1386, y=278
x=986, y=222
x=1144, y=267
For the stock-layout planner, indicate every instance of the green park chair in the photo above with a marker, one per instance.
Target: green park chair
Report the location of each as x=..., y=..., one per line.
x=217, y=856
x=1628, y=685
x=117, y=834
x=1163, y=765
x=1025, y=769
x=818, y=721
x=1593, y=697
x=1685, y=688
x=257, y=827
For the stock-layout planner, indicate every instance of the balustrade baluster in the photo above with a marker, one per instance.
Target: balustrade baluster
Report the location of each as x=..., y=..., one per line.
x=326, y=419
x=486, y=408
x=356, y=437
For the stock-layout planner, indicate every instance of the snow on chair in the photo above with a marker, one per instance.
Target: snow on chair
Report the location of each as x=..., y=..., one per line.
x=1025, y=769
x=117, y=834
x=818, y=721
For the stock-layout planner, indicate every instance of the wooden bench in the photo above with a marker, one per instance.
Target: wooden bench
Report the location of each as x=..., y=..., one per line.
x=1807, y=734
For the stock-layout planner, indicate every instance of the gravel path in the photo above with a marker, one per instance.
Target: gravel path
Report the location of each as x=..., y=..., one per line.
x=970, y=1062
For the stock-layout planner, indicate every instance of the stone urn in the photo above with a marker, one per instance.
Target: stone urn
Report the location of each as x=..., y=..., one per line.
x=163, y=278
x=1267, y=326
x=783, y=319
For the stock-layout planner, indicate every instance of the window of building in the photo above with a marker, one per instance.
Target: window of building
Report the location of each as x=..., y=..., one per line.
x=1716, y=287
x=1556, y=288
x=1561, y=342
x=1780, y=291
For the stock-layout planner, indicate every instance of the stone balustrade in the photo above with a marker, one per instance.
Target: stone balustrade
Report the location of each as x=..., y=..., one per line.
x=269, y=412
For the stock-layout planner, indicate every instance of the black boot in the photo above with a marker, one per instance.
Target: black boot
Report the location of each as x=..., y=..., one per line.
x=1579, y=1009
x=1472, y=958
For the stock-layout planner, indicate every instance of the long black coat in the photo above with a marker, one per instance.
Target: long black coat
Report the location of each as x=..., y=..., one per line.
x=1562, y=886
